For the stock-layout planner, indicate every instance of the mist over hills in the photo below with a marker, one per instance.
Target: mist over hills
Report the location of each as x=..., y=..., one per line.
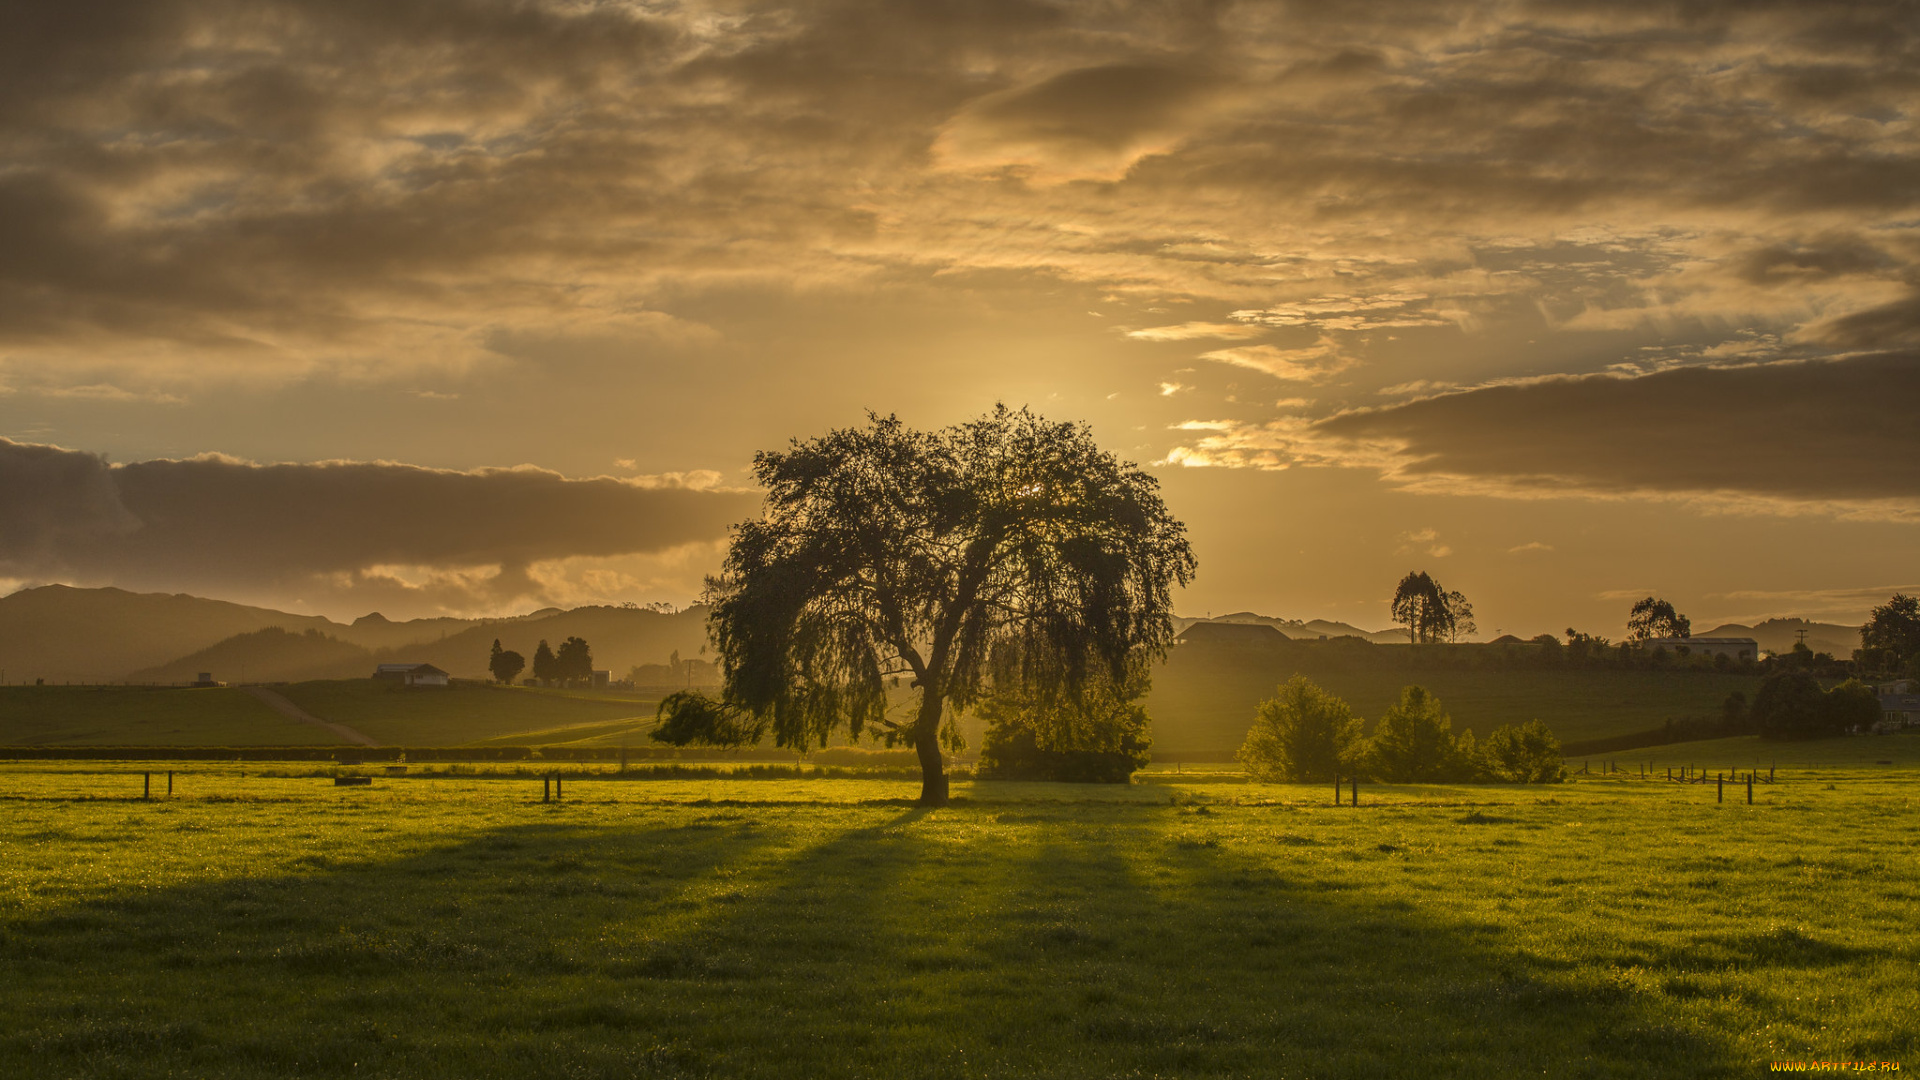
x=64, y=634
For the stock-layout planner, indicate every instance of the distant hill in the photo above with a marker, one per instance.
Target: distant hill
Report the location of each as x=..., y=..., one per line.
x=270, y=655
x=1309, y=629
x=64, y=634
x=621, y=638
x=1778, y=635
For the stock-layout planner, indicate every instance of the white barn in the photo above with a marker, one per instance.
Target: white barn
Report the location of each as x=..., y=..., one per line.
x=411, y=674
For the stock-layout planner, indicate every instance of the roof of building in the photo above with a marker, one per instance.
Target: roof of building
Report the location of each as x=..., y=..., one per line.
x=1701, y=641
x=406, y=669
x=1235, y=633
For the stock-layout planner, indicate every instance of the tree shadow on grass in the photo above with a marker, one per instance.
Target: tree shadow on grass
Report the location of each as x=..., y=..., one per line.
x=811, y=941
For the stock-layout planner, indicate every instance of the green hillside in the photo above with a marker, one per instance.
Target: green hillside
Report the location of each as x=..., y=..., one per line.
x=1204, y=699
x=465, y=712
x=144, y=716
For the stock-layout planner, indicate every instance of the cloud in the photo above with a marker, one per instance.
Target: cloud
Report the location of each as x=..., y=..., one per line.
x=1784, y=437
x=1314, y=363
x=459, y=539
x=1191, y=330
x=1386, y=311
x=1531, y=545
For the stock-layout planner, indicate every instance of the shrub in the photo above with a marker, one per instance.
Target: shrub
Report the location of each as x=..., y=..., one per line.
x=1301, y=733
x=1851, y=705
x=1788, y=705
x=1415, y=742
x=1100, y=738
x=1528, y=754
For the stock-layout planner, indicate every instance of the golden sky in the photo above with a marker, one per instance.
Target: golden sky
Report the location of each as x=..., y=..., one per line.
x=1564, y=303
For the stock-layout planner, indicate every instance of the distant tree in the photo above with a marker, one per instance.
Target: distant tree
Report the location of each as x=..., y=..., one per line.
x=1300, y=733
x=505, y=664
x=544, y=666
x=888, y=553
x=1890, y=641
x=574, y=661
x=1429, y=612
x=1527, y=754
x=1733, y=711
x=1850, y=706
x=1654, y=617
x=1583, y=647
x=1414, y=742
x=1788, y=706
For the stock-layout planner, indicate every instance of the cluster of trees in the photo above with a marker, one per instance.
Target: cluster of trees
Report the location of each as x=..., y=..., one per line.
x=1791, y=705
x=1305, y=734
x=1430, y=613
x=573, y=663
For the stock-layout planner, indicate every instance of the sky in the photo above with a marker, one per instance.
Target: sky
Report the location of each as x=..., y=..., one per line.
x=472, y=307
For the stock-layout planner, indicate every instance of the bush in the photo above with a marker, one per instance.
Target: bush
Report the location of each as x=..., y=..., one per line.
x=1852, y=705
x=1301, y=733
x=1100, y=739
x=1528, y=754
x=1789, y=705
x=1415, y=743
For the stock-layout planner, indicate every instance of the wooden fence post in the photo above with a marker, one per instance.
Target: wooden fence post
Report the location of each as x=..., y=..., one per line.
x=169, y=783
x=546, y=789
x=1719, y=788
x=1356, y=791
x=1749, y=789
x=146, y=785
x=556, y=787
x=1336, y=789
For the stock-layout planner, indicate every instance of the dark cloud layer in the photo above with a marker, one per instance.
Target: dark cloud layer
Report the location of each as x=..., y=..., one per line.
x=1802, y=432
x=219, y=522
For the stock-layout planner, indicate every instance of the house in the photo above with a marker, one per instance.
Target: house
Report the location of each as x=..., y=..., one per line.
x=1899, y=705
x=1736, y=648
x=411, y=674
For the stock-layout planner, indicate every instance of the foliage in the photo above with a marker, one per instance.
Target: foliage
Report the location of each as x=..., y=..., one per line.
x=545, y=667
x=1429, y=612
x=1527, y=754
x=1301, y=733
x=1414, y=742
x=1097, y=736
x=1654, y=617
x=574, y=661
x=1790, y=705
x=1890, y=641
x=1851, y=706
x=886, y=553
x=505, y=664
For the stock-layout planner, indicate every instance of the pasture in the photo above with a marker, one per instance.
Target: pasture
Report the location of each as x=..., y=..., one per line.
x=451, y=924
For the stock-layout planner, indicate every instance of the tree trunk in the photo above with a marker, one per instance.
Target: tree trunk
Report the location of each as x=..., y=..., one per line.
x=926, y=742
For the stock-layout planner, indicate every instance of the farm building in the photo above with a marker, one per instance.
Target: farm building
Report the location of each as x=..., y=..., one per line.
x=411, y=674
x=1737, y=648
x=1899, y=704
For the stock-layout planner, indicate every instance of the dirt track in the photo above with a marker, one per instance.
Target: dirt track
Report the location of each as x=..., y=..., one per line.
x=294, y=712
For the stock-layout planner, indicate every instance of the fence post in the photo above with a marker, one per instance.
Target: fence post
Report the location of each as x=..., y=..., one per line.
x=146, y=785
x=546, y=789
x=1336, y=789
x=1749, y=789
x=169, y=783
x=1356, y=791
x=556, y=787
x=1719, y=788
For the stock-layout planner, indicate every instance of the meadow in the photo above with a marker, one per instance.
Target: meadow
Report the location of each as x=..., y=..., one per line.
x=452, y=924
x=144, y=716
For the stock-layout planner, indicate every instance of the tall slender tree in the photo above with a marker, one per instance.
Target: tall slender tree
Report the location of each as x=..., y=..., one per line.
x=1429, y=612
x=888, y=554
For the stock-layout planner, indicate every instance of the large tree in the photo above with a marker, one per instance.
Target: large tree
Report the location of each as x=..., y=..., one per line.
x=1008, y=555
x=1654, y=617
x=1429, y=612
x=1890, y=640
x=505, y=664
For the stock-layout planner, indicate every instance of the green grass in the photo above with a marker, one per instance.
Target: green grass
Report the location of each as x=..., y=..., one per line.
x=1207, y=702
x=144, y=716
x=454, y=926
x=471, y=712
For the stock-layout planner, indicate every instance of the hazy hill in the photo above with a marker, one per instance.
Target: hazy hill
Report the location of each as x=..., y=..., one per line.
x=1309, y=629
x=270, y=655
x=620, y=637
x=63, y=634
x=1779, y=635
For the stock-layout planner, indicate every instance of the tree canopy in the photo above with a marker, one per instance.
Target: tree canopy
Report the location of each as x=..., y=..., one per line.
x=505, y=664
x=1008, y=554
x=1654, y=617
x=1891, y=638
x=1430, y=613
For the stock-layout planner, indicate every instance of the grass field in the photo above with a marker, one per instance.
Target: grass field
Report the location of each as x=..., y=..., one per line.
x=144, y=716
x=1207, y=702
x=454, y=925
x=471, y=712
